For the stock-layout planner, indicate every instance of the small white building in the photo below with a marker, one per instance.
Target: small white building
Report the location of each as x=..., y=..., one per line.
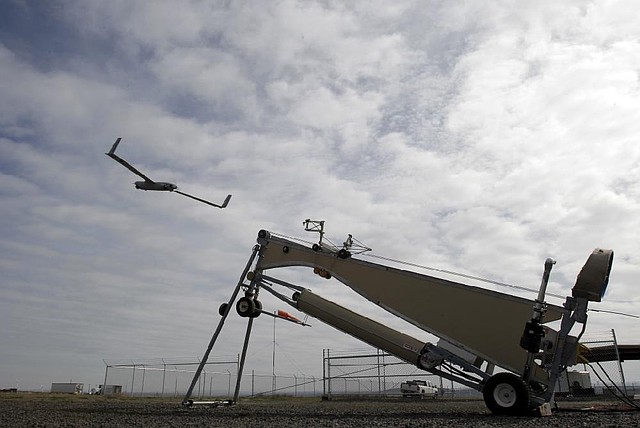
x=576, y=382
x=67, y=387
x=110, y=389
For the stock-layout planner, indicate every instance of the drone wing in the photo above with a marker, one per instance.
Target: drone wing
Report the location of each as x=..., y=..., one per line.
x=112, y=155
x=224, y=204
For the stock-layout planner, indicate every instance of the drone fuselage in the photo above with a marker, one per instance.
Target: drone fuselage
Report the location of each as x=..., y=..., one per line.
x=149, y=184
x=155, y=185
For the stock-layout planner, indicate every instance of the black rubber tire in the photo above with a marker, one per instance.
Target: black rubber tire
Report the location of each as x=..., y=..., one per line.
x=245, y=306
x=222, y=309
x=343, y=254
x=258, y=310
x=507, y=394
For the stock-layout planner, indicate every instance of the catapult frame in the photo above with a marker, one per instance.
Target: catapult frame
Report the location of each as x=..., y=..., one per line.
x=478, y=329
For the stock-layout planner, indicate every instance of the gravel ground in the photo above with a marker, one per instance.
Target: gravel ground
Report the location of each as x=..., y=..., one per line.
x=45, y=410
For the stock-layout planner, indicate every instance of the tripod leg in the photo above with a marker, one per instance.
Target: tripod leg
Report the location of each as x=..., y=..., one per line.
x=186, y=400
x=242, y=359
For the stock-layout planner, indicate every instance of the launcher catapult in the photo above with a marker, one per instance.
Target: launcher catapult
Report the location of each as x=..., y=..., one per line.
x=478, y=329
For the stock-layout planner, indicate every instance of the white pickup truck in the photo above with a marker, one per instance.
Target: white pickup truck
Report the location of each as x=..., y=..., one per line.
x=419, y=389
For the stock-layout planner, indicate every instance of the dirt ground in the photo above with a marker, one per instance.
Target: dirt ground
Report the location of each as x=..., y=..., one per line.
x=49, y=410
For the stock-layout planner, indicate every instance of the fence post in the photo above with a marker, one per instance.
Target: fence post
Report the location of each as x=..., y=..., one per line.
x=384, y=375
x=615, y=345
x=144, y=371
x=176, y=388
x=164, y=374
x=378, y=364
x=133, y=377
x=326, y=374
x=106, y=371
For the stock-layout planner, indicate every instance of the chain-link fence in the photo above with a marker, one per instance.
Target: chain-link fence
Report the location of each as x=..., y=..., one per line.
x=257, y=384
x=171, y=378
x=367, y=372
x=375, y=373
x=605, y=366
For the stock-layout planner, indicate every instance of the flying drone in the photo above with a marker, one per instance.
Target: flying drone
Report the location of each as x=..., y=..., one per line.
x=149, y=184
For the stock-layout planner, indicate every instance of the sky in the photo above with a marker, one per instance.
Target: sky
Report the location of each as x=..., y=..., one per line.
x=476, y=137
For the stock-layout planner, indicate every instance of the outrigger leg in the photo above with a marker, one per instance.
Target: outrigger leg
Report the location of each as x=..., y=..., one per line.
x=224, y=309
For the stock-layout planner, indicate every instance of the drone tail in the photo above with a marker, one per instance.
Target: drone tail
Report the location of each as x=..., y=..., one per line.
x=226, y=202
x=113, y=148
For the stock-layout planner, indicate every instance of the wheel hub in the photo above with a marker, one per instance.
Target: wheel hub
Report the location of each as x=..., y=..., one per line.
x=504, y=395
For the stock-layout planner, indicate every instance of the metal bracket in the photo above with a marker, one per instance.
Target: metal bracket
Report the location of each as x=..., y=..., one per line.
x=433, y=356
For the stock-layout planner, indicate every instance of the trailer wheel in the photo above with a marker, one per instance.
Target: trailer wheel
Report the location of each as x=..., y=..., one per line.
x=245, y=306
x=506, y=394
x=222, y=309
x=258, y=309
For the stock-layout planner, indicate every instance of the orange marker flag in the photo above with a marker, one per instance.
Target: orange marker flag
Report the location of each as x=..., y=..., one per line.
x=287, y=315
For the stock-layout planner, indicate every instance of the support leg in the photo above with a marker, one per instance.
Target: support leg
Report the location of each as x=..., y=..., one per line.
x=243, y=358
x=186, y=400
